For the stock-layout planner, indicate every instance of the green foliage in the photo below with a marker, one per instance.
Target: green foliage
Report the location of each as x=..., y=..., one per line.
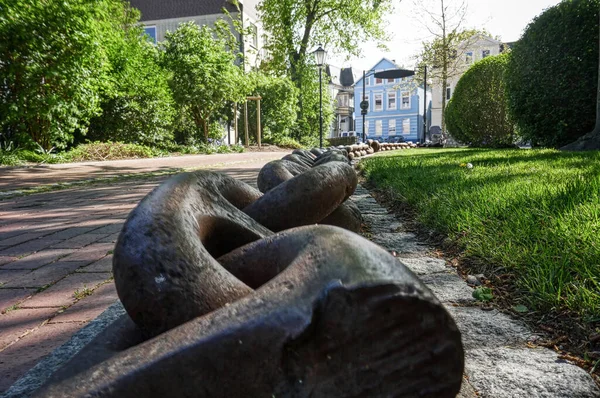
x=553, y=72
x=483, y=294
x=204, y=76
x=478, y=114
x=529, y=213
x=286, y=142
x=98, y=151
x=278, y=105
x=137, y=106
x=51, y=67
x=295, y=27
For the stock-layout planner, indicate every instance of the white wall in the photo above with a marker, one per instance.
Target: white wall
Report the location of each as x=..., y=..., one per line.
x=475, y=46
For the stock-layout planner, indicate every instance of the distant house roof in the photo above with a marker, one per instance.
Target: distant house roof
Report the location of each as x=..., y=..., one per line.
x=164, y=9
x=347, y=77
x=340, y=76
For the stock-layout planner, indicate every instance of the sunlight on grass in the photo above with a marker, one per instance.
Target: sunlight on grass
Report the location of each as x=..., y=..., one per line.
x=534, y=213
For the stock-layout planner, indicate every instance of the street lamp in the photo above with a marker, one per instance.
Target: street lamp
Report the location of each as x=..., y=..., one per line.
x=384, y=74
x=320, y=54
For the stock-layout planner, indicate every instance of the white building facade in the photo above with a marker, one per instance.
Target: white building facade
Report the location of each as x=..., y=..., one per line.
x=160, y=17
x=468, y=52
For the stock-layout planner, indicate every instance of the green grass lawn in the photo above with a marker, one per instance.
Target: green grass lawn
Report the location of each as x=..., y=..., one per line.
x=531, y=213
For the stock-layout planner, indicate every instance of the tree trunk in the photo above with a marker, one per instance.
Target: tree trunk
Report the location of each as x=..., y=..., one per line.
x=205, y=126
x=445, y=61
x=590, y=141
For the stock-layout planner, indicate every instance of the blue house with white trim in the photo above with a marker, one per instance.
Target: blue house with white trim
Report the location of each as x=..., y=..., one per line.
x=396, y=106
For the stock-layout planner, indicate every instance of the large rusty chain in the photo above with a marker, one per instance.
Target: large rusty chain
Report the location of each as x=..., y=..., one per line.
x=269, y=294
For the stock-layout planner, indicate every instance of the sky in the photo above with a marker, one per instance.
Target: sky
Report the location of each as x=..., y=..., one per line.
x=504, y=18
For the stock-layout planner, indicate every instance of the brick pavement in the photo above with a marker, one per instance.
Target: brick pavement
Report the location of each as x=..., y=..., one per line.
x=56, y=263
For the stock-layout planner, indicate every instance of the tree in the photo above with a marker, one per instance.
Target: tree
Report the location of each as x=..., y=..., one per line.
x=136, y=102
x=445, y=54
x=590, y=141
x=278, y=105
x=51, y=68
x=294, y=27
x=478, y=111
x=204, y=74
x=553, y=74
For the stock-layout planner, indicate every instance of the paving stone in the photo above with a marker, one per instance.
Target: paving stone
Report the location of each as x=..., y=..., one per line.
x=27, y=248
x=482, y=329
x=70, y=232
x=102, y=265
x=448, y=287
x=112, y=238
x=10, y=234
x=47, y=366
x=89, y=307
x=6, y=260
x=7, y=275
x=10, y=297
x=16, y=323
x=79, y=241
x=17, y=359
x=382, y=223
x=425, y=265
x=401, y=243
x=110, y=229
x=46, y=275
x=63, y=293
x=38, y=259
x=91, y=253
x=502, y=372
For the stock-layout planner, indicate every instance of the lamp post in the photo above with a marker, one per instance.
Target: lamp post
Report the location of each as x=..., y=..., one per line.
x=424, y=106
x=320, y=58
x=384, y=74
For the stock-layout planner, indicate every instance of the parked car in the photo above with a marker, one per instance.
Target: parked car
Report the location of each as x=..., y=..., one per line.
x=394, y=139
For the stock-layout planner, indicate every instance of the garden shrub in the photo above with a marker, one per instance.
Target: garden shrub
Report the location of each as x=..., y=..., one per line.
x=97, y=151
x=553, y=74
x=478, y=114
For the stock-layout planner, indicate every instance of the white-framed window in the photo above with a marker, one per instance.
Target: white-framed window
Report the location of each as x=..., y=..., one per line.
x=150, y=31
x=391, y=100
x=253, y=35
x=469, y=57
x=378, y=102
x=485, y=53
x=406, y=126
x=391, y=80
x=392, y=127
x=405, y=100
x=448, y=93
x=378, y=80
x=378, y=127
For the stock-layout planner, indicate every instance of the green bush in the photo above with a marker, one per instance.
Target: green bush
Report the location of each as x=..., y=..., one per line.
x=478, y=115
x=286, y=142
x=97, y=151
x=278, y=106
x=52, y=67
x=137, y=105
x=553, y=74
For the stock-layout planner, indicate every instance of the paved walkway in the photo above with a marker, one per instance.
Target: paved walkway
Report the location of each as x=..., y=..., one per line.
x=56, y=247
x=16, y=178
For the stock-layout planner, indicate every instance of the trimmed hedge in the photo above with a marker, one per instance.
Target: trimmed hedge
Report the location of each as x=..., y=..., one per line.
x=553, y=74
x=477, y=114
